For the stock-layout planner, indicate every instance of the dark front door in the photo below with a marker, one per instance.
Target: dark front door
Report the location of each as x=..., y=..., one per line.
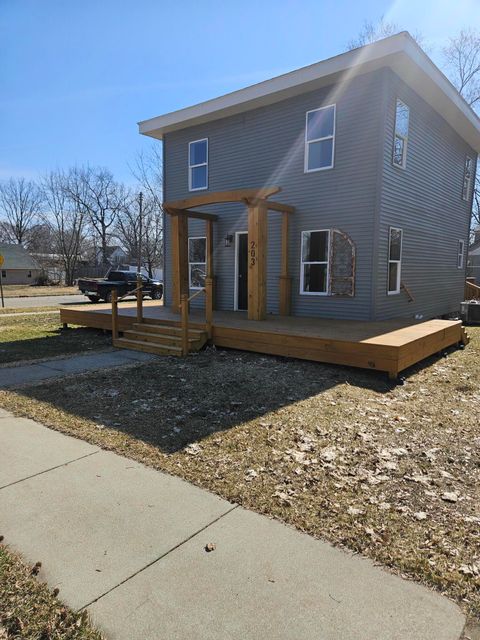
x=242, y=272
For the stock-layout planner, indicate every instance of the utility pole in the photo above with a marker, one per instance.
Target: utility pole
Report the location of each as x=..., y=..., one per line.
x=140, y=231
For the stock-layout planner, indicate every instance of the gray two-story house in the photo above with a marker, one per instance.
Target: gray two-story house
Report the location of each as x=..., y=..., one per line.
x=322, y=214
x=375, y=144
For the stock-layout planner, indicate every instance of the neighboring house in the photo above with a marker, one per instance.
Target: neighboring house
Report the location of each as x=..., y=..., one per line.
x=375, y=154
x=18, y=267
x=473, y=261
x=115, y=256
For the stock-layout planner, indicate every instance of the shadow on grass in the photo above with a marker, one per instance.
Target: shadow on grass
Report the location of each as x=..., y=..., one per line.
x=57, y=342
x=171, y=402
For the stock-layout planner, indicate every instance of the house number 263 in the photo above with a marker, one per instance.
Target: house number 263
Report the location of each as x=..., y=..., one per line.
x=253, y=253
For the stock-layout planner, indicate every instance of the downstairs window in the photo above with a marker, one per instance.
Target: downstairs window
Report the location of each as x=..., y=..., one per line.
x=197, y=251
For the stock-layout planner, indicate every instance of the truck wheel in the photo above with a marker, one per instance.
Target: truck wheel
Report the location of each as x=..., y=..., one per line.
x=157, y=294
x=94, y=298
x=108, y=297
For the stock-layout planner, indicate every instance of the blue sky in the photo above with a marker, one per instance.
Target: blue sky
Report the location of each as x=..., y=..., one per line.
x=77, y=75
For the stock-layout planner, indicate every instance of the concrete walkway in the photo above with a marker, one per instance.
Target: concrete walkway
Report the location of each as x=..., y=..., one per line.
x=57, y=367
x=128, y=543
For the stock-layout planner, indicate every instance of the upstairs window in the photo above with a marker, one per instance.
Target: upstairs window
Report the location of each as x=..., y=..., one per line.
x=460, y=254
x=467, y=178
x=400, y=141
x=197, y=262
x=394, y=260
x=314, y=262
x=198, y=165
x=319, y=139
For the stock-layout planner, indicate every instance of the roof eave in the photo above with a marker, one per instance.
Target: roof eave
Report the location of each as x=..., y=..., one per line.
x=400, y=52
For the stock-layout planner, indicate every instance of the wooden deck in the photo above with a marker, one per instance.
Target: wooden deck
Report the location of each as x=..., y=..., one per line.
x=389, y=346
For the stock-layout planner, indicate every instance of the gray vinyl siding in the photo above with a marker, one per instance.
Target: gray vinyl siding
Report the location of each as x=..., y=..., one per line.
x=425, y=200
x=265, y=146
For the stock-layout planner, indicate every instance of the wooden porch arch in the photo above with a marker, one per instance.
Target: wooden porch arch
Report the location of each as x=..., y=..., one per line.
x=258, y=205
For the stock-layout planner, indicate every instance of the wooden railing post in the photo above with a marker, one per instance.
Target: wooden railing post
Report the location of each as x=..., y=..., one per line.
x=209, y=305
x=139, y=299
x=184, y=310
x=114, y=315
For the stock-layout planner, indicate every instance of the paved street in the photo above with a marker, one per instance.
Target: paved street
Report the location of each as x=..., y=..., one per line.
x=128, y=543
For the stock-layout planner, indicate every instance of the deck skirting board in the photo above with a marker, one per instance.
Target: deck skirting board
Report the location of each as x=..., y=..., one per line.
x=391, y=348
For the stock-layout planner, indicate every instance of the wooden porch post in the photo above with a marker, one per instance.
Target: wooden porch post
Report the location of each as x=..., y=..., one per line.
x=285, y=280
x=209, y=279
x=179, y=258
x=257, y=261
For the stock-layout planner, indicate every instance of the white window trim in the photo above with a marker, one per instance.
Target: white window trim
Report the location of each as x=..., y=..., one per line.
x=399, y=135
x=190, y=263
x=332, y=137
x=460, y=254
x=466, y=192
x=327, y=262
x=399, y=262
x=193, y=166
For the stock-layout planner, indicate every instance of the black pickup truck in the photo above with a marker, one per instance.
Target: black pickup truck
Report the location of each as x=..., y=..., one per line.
x=123, y=282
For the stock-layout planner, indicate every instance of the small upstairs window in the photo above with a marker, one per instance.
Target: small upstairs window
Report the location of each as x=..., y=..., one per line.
x=320, y=139
x=460, y=254
x=402, y=115
x=198, y=165
x=394, y=260
x=197, y=262
x=467, y=178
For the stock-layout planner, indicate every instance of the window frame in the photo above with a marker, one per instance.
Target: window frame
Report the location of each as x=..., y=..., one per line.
x=190, y=286
x=194, y=166
x=332, y=137
x=402, y=137
x=303, y=263
x=398, y=262
x=460, y=254
x=466, y=191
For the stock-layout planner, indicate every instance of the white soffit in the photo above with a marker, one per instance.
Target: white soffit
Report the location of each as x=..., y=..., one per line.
x=400, y=52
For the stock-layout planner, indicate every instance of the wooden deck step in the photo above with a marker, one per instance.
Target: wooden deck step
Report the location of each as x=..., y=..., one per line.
x=148, y=347
x=166, y=329
x=195, y=342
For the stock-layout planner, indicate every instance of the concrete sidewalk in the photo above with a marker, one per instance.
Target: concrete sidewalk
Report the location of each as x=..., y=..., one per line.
x=57, y=367
x=128, y=543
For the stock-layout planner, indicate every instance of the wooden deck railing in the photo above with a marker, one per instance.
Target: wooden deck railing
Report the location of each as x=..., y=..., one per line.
x=472, y=290
x=115, y=300
x=184, y=309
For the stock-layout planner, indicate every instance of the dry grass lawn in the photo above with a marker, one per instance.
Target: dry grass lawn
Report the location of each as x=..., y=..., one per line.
x=389, y=472
x=30, y=611
x=38, y=336
x=28, y=290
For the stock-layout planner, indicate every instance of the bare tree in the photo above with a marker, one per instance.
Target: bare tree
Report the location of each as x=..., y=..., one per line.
x=153, y=239
x=65, y=219
x=96, y=193
x=373, y=31
x=129, y=226
x=20, y=204
x=462, y=64
x=148, y=172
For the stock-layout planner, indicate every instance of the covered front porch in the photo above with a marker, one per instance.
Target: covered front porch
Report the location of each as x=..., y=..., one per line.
x=258, y=205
